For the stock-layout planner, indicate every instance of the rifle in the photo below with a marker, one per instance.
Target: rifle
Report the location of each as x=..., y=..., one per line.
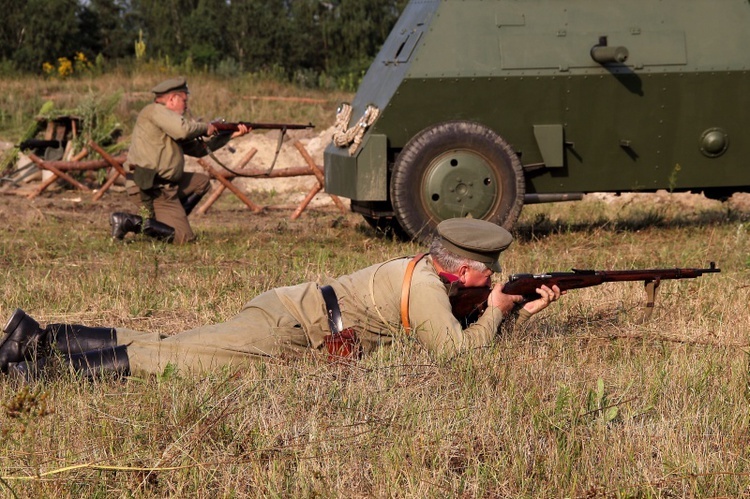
x=227, y=127
x=223, y=127
x=470, y=302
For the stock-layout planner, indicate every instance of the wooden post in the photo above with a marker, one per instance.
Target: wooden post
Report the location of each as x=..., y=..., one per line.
x=230, y=186
x=118, y=170
x=84, y=152
x=220, y=188
x=318, y=173
x=36, y=159
x=109, y=183
x=107, y=157
x=310, y=195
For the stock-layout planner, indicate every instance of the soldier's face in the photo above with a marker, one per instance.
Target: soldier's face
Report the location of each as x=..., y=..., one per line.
x=473, y=278
x=178, y=102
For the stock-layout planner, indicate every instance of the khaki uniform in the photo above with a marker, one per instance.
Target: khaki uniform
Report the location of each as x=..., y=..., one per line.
x=294, y=319
x=156, y=160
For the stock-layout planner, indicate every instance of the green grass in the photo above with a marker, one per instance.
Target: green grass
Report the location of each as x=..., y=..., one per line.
x=584, y=402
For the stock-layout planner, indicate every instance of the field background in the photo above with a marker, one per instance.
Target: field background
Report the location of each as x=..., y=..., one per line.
x=584, y=402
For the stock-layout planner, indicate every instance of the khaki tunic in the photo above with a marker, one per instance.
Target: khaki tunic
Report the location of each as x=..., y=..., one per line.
x=292, y=320
x=154, y=141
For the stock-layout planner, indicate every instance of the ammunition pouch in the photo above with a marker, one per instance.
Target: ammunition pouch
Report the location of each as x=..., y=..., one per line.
x=343, y=346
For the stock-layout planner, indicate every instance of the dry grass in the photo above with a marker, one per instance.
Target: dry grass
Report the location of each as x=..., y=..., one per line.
x=243, y=98
x=585, y=402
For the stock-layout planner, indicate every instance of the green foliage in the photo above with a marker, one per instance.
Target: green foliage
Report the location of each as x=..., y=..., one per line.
x=48, y=30
x=313, y=42
x=597, y=403
x=99, y=122
x=10, y=156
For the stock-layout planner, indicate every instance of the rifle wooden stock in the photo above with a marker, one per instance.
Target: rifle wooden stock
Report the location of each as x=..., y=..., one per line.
x=526, y=284
x=469, y=303
x=223, y=126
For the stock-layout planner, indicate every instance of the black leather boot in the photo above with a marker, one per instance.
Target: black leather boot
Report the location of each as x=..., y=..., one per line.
x=73, y=338
x=22, y=335
x=100, y=363
x=190, y=202
x=105, y=363
x=158, y=230
x=123, y=223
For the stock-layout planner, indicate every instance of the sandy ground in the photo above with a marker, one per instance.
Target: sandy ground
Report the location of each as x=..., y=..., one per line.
x=289, y=192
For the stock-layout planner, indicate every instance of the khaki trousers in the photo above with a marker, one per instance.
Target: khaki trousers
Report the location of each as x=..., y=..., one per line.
x=263, y=329
x=167, y=206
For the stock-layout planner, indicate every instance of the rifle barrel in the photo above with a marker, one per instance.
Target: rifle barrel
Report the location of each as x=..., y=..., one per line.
x=526, y=284
x=226, y=126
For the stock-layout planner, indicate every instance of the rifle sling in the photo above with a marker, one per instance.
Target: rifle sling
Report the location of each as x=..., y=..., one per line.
x=278, y=150
x=650, y=286
x=405, y=288
x=238, y=174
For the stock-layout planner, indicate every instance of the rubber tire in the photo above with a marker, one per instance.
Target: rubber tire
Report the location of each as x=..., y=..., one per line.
x=423, y=154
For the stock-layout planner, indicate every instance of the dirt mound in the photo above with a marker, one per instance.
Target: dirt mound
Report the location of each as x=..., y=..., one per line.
x=691, y=201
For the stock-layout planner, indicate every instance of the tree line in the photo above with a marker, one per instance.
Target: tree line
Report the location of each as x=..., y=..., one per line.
x=292, y=37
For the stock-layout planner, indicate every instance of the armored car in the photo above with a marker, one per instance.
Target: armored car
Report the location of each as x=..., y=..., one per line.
x=477, y=107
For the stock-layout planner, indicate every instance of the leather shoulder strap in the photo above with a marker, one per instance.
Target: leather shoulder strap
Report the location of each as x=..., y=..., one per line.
x=405, y=287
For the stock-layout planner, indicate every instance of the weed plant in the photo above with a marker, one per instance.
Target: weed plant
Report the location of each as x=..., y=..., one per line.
x=583, y=402
x=248, y=97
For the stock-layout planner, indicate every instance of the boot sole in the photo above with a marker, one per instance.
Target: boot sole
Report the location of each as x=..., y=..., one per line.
x=15, y=319
x=117, y=233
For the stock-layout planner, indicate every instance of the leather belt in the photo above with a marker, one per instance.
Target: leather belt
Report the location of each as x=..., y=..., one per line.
x=333, y=310
x=157, y=179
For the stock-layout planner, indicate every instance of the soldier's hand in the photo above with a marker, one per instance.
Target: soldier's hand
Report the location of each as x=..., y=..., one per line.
x=547, y=294
x=504, y=302
x=241, y=130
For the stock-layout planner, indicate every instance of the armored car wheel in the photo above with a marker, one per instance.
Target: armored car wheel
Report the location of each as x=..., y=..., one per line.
x=456, y=169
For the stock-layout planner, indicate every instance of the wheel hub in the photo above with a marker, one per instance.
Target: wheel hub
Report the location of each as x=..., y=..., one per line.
x=460, y=183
